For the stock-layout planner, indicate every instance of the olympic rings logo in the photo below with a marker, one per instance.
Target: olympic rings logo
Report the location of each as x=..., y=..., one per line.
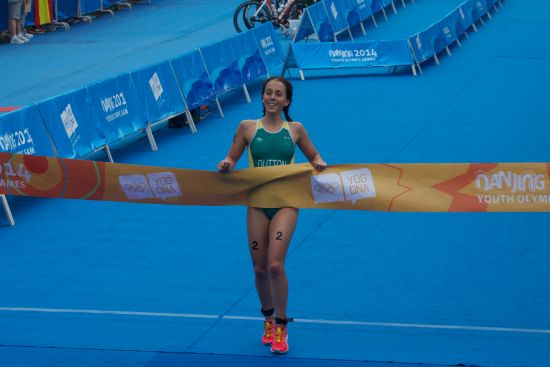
x=135, y=188
x=324, y=188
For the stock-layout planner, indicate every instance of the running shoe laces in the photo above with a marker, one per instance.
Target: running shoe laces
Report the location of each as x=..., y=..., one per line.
x=267, y=338
x=280, y=339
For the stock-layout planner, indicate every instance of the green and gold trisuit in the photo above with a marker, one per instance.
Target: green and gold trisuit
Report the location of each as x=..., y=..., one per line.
x=271, y=149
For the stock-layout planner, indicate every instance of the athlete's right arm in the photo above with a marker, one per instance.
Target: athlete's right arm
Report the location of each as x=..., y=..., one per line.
x=240, y=141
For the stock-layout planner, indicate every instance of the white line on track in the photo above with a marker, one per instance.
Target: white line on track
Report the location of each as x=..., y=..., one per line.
x=107, y=312
x=306, y=321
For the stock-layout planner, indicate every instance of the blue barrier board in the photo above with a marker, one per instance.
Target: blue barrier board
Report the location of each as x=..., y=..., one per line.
x=117, y=107
x=193, y=79
x=351, y=54
x=337, y=14
x=89, y=6
x=270, y=50
x=22, y=131
x=69, y=118
x=158, y=91
x=221, y=59
x=67, y=9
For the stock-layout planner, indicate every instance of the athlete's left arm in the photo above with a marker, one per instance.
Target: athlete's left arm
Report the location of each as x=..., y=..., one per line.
x=306, y=146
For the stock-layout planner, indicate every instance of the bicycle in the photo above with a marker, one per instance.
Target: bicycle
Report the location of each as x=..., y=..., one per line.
x=279, y=12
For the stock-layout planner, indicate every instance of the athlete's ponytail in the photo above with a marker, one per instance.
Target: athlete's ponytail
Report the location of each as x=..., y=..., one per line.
x=287, y=116
x=288, y=87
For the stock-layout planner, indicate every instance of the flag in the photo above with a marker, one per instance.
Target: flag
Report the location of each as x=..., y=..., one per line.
x=43, y=12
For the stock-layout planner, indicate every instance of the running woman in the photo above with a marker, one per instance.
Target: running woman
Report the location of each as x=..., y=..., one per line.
x=271, y=141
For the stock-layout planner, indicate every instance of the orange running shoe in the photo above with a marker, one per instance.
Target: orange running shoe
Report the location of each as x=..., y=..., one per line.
x=267, y=338
x=280, y=339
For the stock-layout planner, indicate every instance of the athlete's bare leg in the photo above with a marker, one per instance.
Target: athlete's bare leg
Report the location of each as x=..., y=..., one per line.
x=281, y=229
x=258, y=244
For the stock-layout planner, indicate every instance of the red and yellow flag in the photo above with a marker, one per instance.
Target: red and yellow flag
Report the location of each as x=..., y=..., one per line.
x=43, y=12
x=426, y=187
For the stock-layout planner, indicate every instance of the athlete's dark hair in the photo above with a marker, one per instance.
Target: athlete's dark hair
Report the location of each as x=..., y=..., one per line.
x=288, y=87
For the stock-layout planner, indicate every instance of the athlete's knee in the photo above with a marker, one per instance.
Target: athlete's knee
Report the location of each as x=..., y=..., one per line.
x=260, y=272
x=276, y=269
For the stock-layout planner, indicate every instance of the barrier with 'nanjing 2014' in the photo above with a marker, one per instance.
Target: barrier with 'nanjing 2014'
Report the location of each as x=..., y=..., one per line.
x=324, y=21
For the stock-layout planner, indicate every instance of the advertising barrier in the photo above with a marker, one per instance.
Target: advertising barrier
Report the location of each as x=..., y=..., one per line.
x=158, y=92
x=337, y=11
x=250, y=62
x=306, y=26
x=194, y=80
x=364, y=8
x=89, y=6
x=160, y=96
x=380, y=6
x=435, y=187
x=354, y=20
x=23, y=132
x=315, y=21
x=270, y=49
x=67, y=9
x=222, y=62
x=452, y=27
x=364, y=54
x=422, y=45
x=327, y=18
x=117, y=109
x=71, y=122
x=111, y=3
x=434, y=39
x=350, y=11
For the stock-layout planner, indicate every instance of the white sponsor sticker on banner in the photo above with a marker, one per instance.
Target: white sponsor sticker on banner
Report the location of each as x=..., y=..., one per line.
x=135, y=187
x=327, y=188
x=156, y=86
x=333, y=10
x=69, y=121
x=164, y=185
x=358, y=184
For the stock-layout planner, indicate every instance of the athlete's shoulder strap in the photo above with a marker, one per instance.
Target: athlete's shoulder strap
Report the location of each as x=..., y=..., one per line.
x=286, y=125
x=258, y=127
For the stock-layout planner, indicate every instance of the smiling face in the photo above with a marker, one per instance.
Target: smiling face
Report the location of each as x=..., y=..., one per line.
x=275, y=97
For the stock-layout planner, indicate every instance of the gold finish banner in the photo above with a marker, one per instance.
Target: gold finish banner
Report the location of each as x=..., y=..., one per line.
x=430, y=187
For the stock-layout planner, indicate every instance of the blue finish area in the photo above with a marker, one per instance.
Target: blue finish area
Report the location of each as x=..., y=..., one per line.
x=87, y=283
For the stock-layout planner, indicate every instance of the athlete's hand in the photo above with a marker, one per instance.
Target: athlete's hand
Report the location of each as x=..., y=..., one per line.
x=319, y=164
x=225, y=165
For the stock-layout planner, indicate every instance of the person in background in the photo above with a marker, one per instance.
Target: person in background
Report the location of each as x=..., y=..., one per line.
x=15, y=9
x=26, y=10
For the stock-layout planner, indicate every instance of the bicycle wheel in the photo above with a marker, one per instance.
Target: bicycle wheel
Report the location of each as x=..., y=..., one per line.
x=248, y=14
